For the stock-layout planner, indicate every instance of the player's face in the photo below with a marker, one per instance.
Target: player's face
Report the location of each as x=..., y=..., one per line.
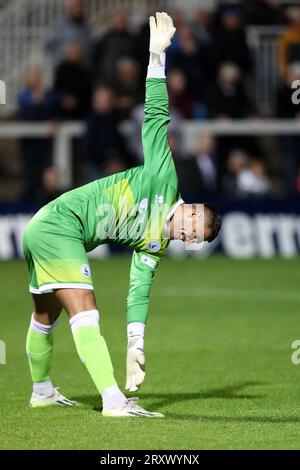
x=190, y=226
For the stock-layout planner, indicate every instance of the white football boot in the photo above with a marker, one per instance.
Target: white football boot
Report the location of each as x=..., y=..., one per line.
x=39, y=401
x=131, y=409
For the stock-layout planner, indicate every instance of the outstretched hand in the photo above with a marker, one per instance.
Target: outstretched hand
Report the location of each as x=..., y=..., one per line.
x=162, y=31
x=135, y=365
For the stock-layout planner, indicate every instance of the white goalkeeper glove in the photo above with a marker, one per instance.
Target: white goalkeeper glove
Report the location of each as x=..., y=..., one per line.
x=135, y=364
x=161, y=32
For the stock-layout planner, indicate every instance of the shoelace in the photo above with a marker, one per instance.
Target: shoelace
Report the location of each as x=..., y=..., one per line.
x=131, y=401
x=63, y=397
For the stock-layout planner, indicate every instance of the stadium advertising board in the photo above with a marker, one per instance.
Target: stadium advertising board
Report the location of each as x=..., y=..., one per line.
x=250, y=229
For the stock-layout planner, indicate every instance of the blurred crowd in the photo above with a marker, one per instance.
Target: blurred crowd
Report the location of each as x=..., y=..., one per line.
x=100, y=79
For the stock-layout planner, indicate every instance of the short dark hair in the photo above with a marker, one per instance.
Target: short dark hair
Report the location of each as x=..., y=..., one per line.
x=214, y=222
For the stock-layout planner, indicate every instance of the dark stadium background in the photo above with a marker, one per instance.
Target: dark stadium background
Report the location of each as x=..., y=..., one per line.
x=74, y=106
x=222, y=343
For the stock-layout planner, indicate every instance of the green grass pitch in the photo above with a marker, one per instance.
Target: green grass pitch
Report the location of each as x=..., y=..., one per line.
x=218, y=347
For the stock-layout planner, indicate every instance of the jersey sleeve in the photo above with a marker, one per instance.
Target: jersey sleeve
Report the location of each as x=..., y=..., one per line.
x=142, y=272
x=158, y=158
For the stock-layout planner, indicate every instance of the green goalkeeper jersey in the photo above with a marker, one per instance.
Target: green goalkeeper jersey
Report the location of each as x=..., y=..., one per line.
x=131, y=208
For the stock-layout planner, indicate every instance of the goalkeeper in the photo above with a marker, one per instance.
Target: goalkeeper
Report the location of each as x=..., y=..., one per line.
x=139, y=208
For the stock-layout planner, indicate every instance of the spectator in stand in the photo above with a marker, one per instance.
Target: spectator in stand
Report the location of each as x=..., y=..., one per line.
x=236, y=163
x=289, y=42
x=116, y=43
x=50, y=188
x=228, y=99
x=36, y=104
x=230, y=44
x=179, y=96
x=205, y=160
x=69, y=28
x=104, y=143
x=289, y=145
x=128, y=87
x=253, y=181
x=202, y=25
x=198, y=174
x=73, y=84
x=262, y=12
x=193, y=59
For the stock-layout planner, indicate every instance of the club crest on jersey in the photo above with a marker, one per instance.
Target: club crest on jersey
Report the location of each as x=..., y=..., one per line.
x=85, y=270
x=153, y=246
x=143, y=205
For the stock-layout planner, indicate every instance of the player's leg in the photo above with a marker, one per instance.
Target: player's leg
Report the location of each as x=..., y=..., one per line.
x=80, y=305
x=39, y=341
x=39, y=348
x=57, y=262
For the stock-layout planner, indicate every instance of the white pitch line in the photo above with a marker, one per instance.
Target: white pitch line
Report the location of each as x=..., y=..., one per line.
x=243, y=294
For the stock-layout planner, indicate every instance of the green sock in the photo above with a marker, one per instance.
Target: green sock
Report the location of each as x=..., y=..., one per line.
x=93, y=352
x=39, y=351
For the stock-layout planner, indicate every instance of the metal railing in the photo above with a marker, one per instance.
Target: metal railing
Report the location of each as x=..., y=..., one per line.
x=62, y=148
x=262, y=41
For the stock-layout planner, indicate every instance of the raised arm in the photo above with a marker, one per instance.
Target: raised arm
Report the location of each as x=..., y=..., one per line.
x=158, y=161
x=157, y=153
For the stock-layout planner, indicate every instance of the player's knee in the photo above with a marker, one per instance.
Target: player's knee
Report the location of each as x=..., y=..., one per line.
x=75, y=301
x=83, y=319
x=42, y=328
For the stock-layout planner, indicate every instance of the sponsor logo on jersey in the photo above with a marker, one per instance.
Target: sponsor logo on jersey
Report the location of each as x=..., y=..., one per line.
x=85, y=270
x=150, y=262
x=153, y=246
